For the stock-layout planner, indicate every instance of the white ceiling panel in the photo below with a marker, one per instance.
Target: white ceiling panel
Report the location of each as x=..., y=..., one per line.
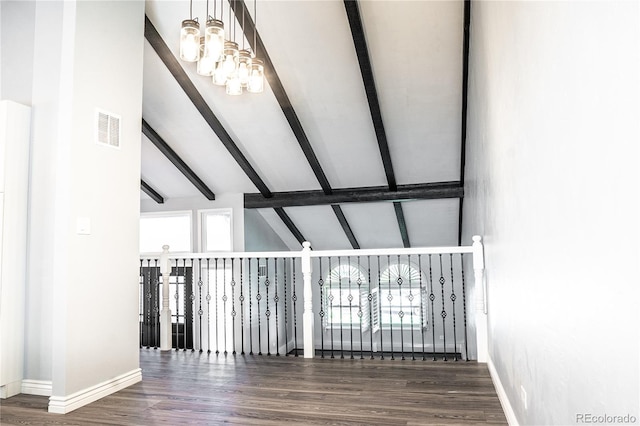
x=374, y=224
x=432, y=222
x=162, y=175
x=319, y=226
x=416, y=55
x=315, y=58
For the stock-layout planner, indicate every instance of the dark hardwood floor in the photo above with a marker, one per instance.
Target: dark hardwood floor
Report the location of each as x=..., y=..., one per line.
x=191, y=388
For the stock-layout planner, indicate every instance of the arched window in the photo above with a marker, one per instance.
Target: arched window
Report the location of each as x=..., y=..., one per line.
x=345, y=291
x=402, y=297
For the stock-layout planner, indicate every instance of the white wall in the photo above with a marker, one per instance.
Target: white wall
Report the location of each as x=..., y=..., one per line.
x=259, y=235
x=552, y=184
x=233, y=201
x=16, y=50
x=75, y=281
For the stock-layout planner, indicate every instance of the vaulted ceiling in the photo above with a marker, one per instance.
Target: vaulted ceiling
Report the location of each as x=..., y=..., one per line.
x=357, y=140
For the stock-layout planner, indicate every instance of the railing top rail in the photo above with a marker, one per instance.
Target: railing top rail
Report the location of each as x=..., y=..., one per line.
x=391, y=251
x=314, y=253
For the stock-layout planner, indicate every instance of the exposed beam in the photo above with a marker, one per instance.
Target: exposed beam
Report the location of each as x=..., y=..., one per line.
x=402, y=224
x=147, y=189
x=277, y=88
x=249, y=29
x=362, y=51
x=176, y=160
x=360, y=43
x=465, y=84
x=345, y=225
x=172, y=64
x=289, y=223
x=427, y=191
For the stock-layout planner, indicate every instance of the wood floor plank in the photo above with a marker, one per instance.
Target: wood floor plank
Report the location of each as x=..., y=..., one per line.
x=200, y=389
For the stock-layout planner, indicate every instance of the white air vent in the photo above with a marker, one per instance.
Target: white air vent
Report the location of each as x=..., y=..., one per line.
x=107, y=129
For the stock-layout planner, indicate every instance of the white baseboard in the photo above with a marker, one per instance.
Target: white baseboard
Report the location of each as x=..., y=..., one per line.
x=10, y=389
x=502, y=395
x=66, y=404
x=37, y=387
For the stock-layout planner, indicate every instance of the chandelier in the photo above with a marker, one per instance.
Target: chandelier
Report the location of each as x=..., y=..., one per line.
x=221, y=58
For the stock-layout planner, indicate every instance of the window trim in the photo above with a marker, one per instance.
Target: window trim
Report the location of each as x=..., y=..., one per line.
x=202, y=237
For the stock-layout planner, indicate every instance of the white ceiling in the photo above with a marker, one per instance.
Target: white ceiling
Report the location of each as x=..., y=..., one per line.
x=415, y=49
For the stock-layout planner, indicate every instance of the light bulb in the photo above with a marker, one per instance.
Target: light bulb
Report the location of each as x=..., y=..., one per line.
x=256, y=77
x=244, y=63
x=190, y=41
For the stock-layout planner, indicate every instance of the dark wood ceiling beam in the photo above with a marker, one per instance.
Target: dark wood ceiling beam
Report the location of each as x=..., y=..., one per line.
x=176, y=160
x=147, y=189
x=465, y=87
x=402, y=224
x=289, y=112
x=428, y=191
x=172, y=64
x=362, y=51
x=289, y=223
x=366, y=70
x=277, y=88
x=345, y=225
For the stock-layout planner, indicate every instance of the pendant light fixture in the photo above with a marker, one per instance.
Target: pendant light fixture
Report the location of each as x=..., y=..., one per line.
x=190, y=38
x=217, y=53
x=256, y=69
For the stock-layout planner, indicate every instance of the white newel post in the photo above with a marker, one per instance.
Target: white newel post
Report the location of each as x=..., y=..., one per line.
x=481, y=300
x=165, y=313
x=309, y=348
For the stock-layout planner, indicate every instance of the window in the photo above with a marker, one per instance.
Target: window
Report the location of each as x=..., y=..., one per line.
x=216, y=230
x=397, y=300
x=345, y=296
x=171, y=228
x=401, y=299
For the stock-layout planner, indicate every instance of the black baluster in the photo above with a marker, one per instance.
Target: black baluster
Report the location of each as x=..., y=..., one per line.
x=321, y=313
x=192, y=300
x=224, y=303
x=340, y=305
x=370, y=300
x=148, y=303
x=267, y=313
x=464, y=308
x=156, y=303
x=250, y=313
x=443, y=314
x=275, y=301
x=400, y=312
x=258, y=297
x=410, y=297
x=141, y=302
x=184, y=301
x=453, y=310
x=208, y=298
x=294, y=298
x=176, y=297
x=241, y=310
x=350, y=299
x=215, y=296
x=359, y=282
x=432, y=298
x=286, y=322
x=380, y=311
x=331, y=297
x=200, y=312
x=233, y=307
x=390, y=298
x=422, y=291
